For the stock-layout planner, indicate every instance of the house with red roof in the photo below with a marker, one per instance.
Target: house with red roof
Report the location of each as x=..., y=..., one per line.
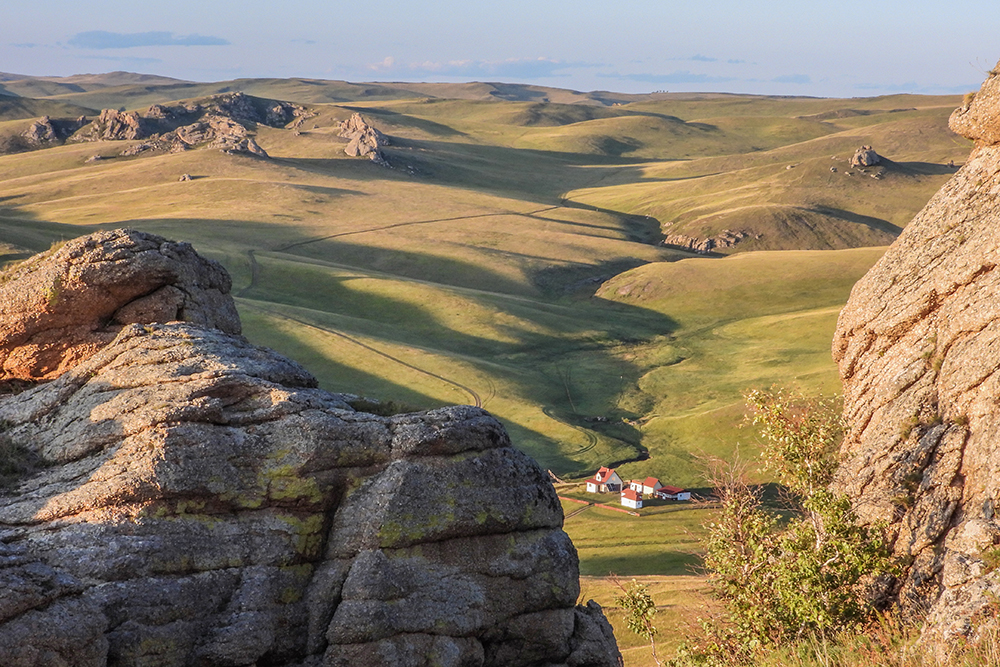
x=632, y=498
x=673, y=493
x=605, y=480
x=648, y=486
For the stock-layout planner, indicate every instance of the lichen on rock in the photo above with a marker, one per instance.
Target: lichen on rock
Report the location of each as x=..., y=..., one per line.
x=203, y=502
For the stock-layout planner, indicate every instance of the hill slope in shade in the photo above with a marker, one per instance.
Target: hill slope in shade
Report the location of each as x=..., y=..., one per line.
x=466, y=272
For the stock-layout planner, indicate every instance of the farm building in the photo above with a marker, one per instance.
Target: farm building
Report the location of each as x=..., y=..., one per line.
x=632, y=498
x=605, y=480
x=673, y=493
x=648, y=486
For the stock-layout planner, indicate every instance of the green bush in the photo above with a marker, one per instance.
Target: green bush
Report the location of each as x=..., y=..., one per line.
x=782, y=580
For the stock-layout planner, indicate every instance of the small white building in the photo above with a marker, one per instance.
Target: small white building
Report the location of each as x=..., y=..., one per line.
x=673, y=493
x=632, y=498
x=648, y=487
x=605, y=480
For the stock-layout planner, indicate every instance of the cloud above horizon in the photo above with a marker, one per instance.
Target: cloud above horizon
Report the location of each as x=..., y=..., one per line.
x=100, y=39
x=793, y=78
x=523, y=68
x=681, y=76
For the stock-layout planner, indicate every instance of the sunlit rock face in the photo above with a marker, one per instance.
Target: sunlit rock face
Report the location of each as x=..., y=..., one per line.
x=183, y=497
x=918, y=346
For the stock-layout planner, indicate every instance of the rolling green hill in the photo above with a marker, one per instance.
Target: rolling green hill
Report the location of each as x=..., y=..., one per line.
x=510, y=257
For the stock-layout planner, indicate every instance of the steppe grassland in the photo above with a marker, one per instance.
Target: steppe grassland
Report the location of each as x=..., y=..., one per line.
x=471, y=280
x=455, y=278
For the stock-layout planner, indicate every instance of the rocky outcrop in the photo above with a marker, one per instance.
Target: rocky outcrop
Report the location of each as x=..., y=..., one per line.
x=203, y=503
x=46, y=132
x=222, y=122
x=918, y=346
x=724, y=239
x=865, y=157
x=363, y=139
x=60, y=308
x=41, y=132
x=114, y=125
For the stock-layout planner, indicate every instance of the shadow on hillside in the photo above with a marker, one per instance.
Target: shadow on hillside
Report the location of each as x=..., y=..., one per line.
x=405, y=120
x=29, y=235
x=523, y=344
x=923, y=168
x=628, y=563
x=858, y=219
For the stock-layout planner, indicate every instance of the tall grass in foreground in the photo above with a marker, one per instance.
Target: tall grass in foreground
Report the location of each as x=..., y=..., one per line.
x=886, y=643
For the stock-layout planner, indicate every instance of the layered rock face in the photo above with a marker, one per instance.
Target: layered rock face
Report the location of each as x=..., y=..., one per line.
x=201, y=502
x=918, y=346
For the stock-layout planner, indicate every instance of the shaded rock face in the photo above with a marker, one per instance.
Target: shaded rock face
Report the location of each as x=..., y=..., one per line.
x=206, y=504
x=918, y=346
x=724, y=239
x=363, y=139
x=48, y=132
x=58, y=309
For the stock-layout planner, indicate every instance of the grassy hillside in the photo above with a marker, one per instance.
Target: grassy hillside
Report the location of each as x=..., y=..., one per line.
x=510, y=257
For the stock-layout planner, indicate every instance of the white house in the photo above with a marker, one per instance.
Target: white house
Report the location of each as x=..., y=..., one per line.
x=673, y=493
x=605, y=480
x=648, y=486
x=632, y=498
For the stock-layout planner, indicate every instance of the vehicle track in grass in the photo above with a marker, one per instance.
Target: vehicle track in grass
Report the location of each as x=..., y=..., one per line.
x=396, y=225
x=477, y=400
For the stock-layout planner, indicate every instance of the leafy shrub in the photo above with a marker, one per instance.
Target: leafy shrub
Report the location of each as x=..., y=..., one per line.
x=637, y=603
x=813, y=575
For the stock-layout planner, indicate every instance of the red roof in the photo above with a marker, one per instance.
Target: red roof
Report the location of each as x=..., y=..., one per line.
x=671, y=490
x=651, y=482
x=631, y=494
x=605, y=473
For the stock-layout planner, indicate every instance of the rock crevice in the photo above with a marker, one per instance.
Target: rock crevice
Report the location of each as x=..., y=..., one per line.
x=918, y=346
x=203, y=502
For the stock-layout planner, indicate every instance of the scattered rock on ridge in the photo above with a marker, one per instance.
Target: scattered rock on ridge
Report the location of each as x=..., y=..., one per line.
x=918, y=346
x=724, y=239
x=206, y=504
x=865, y=157
x=364, y=140
x=60, y=308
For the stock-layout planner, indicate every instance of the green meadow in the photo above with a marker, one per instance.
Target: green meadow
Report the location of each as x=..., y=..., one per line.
x=511, y=258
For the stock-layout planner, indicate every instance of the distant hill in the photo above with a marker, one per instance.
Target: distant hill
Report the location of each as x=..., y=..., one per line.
x=15, y=108
x=471, y=270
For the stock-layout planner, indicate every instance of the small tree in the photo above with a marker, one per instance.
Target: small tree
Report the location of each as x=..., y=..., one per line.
x=640, y=610
x=811, y=575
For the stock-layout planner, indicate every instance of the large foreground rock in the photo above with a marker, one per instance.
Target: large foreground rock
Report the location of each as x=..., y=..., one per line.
x=918, y=347
x=59, y=308
x=200, y=502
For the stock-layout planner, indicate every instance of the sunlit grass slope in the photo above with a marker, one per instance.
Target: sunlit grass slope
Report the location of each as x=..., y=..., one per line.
x=467, y=273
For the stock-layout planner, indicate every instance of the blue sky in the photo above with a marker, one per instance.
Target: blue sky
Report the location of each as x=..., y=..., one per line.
x=846, y=48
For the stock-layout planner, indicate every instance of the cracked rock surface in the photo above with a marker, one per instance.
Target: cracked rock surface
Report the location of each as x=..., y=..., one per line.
x=198, y=501
x=918, y=346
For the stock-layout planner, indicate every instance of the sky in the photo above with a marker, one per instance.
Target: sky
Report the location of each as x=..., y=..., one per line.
x=846, y=48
